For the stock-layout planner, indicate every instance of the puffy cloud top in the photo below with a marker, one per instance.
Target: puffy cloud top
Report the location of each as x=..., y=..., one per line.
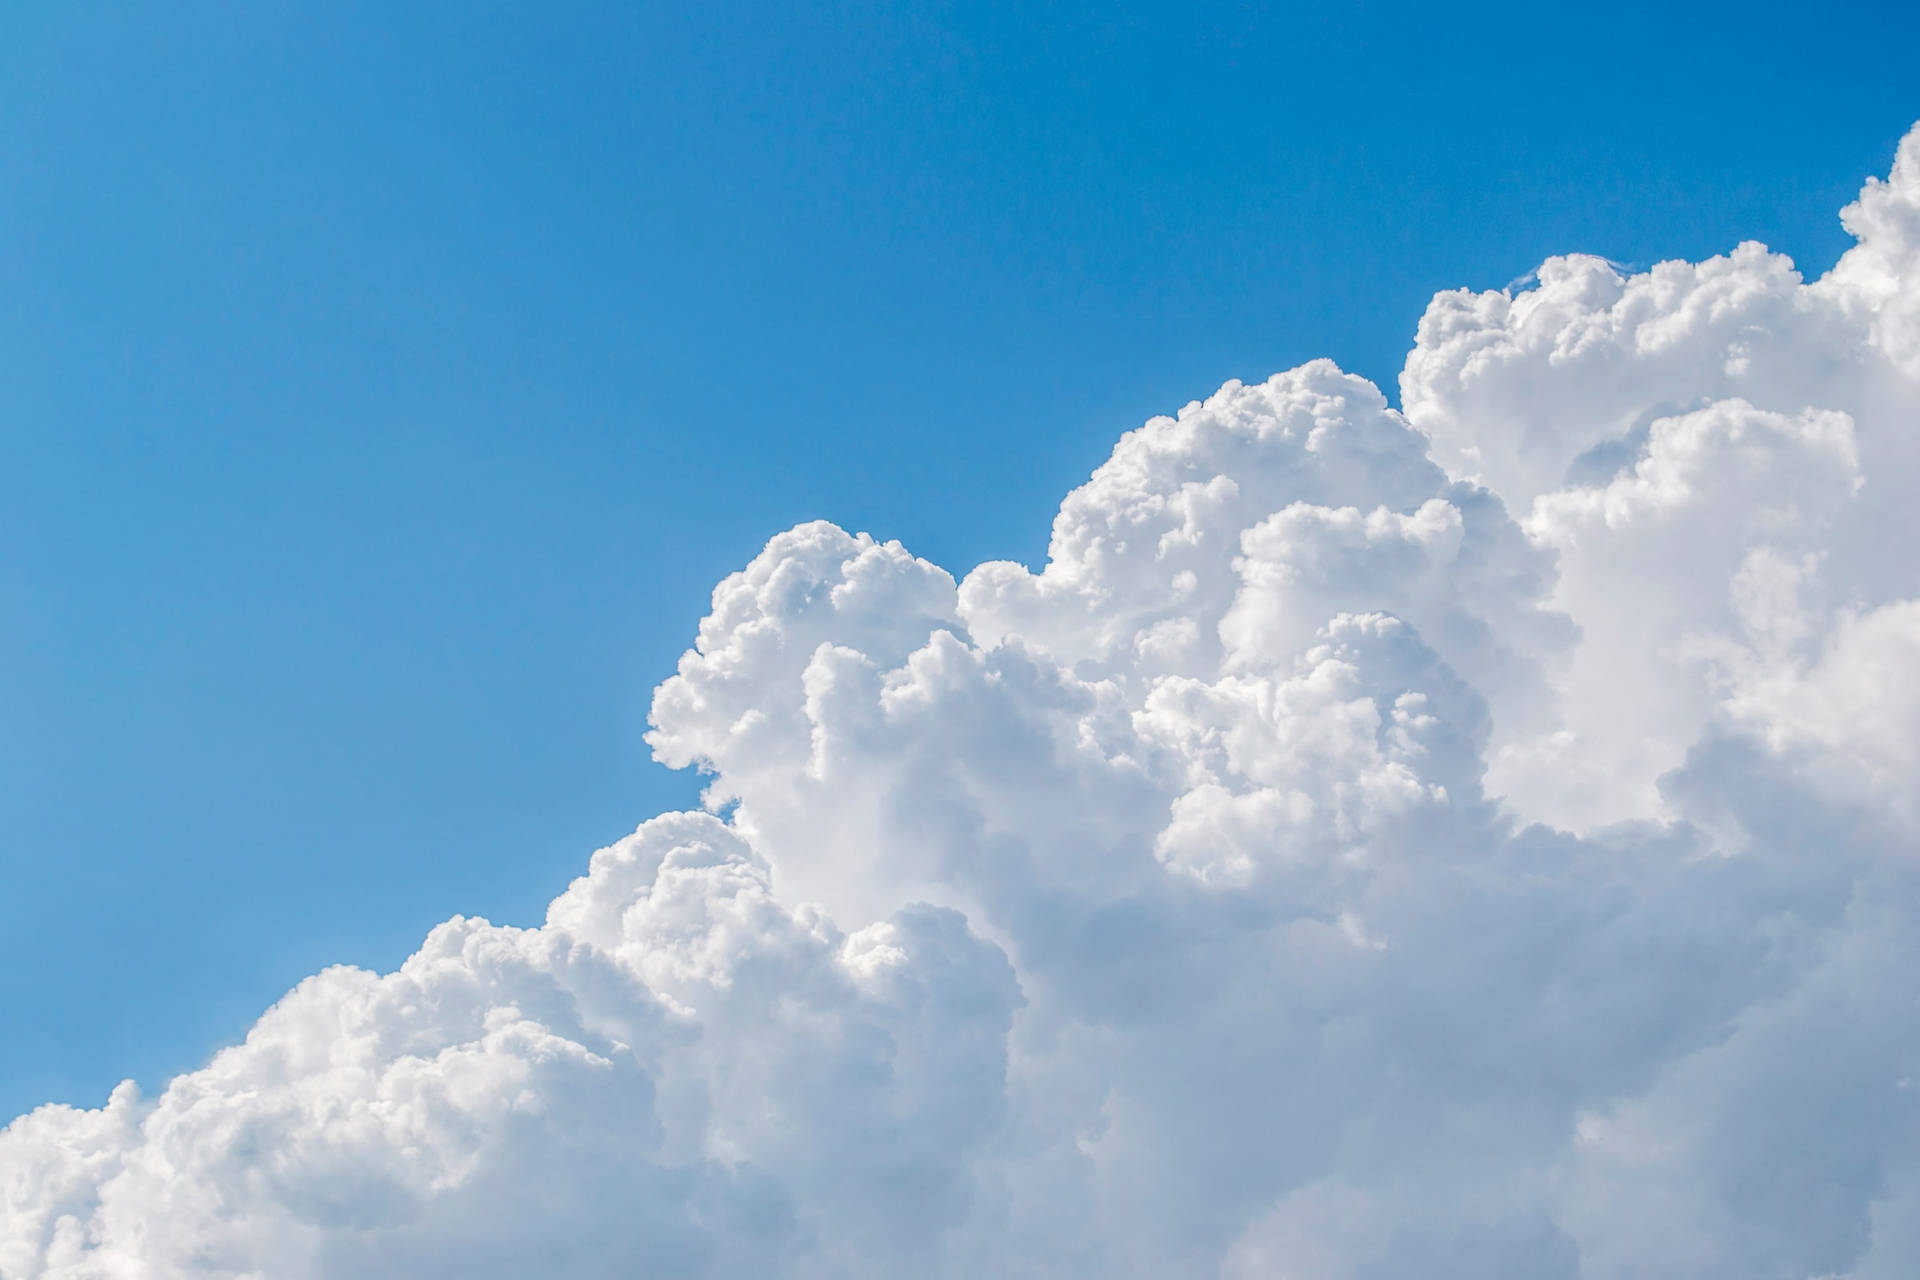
x=1474, y=840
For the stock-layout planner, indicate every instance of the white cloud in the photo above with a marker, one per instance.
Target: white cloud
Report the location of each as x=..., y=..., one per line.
x=1175, y=911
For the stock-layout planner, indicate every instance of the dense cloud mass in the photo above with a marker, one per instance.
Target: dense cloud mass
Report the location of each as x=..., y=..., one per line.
x=1473, y=841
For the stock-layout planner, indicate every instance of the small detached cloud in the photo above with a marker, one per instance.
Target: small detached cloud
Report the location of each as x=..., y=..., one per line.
x=1468, y=841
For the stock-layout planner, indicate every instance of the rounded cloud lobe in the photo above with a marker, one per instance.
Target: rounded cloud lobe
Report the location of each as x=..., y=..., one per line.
x=1469, y=841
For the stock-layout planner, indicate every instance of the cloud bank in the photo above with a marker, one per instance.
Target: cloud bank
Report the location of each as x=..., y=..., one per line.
x=1473, y=841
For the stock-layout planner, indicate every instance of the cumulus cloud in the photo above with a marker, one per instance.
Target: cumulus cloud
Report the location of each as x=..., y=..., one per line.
x=1474, y=840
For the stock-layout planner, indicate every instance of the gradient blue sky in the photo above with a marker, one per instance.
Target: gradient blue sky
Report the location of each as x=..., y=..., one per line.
x=386, y=386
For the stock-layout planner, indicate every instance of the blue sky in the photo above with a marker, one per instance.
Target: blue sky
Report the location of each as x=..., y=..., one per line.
x=386, y=386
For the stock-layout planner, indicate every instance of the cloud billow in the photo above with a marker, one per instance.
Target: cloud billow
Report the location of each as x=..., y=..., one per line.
x=1469, y=841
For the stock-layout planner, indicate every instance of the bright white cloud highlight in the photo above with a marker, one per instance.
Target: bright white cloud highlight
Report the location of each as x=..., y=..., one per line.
x=1477, y=841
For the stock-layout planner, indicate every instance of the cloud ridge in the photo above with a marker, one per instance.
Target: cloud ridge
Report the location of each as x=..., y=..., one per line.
x=1473, y=840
